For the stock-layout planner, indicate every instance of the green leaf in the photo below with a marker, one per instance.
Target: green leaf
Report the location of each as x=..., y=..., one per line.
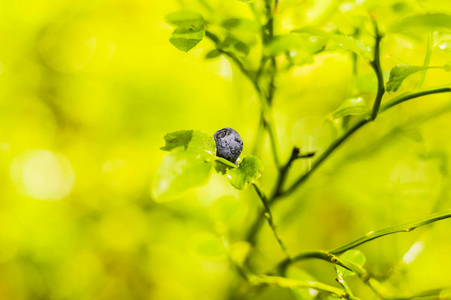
x=186, y=38
x=247, y=1
x=231, y=44
x=353, y=256
x=349, y=43
x=213, y=54
x=422, y=22
x=193, y=140
x=180, y=172
x=401, y=72
x=186, y=19
x=247, y=172
x=351, y=106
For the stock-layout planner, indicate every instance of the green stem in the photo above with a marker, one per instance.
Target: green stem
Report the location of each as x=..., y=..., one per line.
x=269, y=217
x=283, y=172
x=225, y=162
x=330, y=255
x=427, y=58
x=271, y=127
x=431, y=294
x=292, y=283
x=321, y=159
x=395, y=101
x=267, y=98
x=408, y=227
x=402, y=98
x=376, y=64
x=259, y=136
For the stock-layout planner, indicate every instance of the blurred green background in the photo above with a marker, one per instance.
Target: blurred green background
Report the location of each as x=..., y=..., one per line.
x=88, y=89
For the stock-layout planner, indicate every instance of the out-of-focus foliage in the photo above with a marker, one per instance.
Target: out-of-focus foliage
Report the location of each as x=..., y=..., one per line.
x=88, y=90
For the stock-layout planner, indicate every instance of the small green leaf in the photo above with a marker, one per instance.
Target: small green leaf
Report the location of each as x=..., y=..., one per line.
x=351, y=106
x=180, y=172
x=186, y=19
x=247, y=172
x=231, y=44
x=357, y=46
x=401, y=72
x=353, y=256
x=422, y=22
x=213, y=54
x=186, y=38
x=193, y=140
x=401, y=7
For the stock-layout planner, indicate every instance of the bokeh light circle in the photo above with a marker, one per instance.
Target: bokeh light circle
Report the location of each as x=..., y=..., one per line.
x=42, y=175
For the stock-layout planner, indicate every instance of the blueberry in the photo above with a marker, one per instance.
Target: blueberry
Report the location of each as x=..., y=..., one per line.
x=228, y=144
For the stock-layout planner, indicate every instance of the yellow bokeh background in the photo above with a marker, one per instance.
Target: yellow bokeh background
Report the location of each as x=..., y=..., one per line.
x=88, y=89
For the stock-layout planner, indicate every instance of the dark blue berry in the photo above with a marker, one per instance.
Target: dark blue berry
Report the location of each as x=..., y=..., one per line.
x=228, y=144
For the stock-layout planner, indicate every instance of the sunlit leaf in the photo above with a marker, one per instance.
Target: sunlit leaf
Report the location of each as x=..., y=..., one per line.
x=351, y=106
x=357, y=46
x=191, y=140
x=247, y=172
x=180, y=172
x=185, y=18
x=186, y=38
x=354, y=256
x=401, y=72
x=422, y=22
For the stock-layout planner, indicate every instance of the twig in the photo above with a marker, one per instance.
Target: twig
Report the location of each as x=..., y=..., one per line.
x=427, y=58
x=391, y=230
x=376, y=64
x=269, y=216
x=329, y=255
x=395, y=101
x=292, y=284
x=321, y=159
x=398, y=100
